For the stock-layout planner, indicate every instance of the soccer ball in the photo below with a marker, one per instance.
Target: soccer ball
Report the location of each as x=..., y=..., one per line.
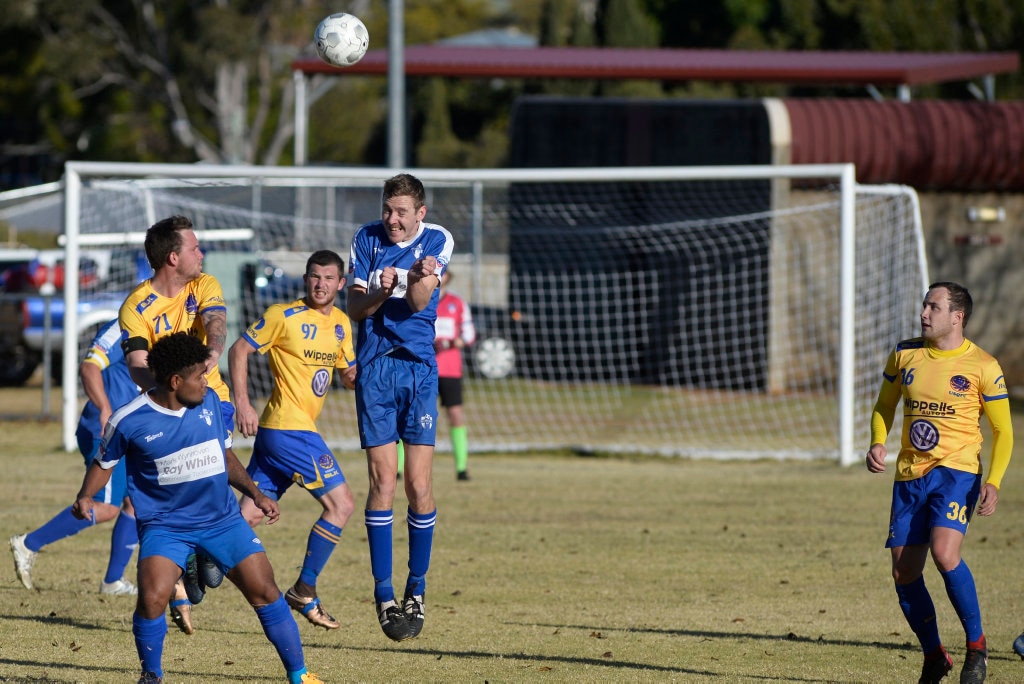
x=341, y=39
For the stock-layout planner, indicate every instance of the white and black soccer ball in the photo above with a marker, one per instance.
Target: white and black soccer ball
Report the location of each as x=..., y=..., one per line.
x=341, y=39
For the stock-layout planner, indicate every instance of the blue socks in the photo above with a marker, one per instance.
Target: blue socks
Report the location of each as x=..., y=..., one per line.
x=917, y=606
x=283, y=633
x=149, y=642
x=378, y=534
x=322, y=539
x=421, y=539
x=963, y=594
x=123, y=540
x=62, y=525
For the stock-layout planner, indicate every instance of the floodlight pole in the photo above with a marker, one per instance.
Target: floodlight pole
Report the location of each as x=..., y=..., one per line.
x=396, y=84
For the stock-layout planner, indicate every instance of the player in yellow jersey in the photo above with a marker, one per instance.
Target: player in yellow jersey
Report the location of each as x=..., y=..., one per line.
x=178, y=298
x=946, y=382
x=306, y=340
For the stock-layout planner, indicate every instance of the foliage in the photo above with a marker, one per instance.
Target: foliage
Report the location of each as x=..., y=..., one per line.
x=210, y=80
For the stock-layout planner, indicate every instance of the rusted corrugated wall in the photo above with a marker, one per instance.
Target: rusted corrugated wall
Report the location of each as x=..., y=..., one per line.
x=930, y=144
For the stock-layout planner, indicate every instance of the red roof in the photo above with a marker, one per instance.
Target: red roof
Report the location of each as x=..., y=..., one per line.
x=775, y=66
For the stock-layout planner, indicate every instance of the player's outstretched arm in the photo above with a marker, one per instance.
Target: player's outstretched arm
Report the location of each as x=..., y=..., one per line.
x=95, y=479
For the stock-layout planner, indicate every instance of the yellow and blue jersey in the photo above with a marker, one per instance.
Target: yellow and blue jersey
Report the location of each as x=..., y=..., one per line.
x=944, y=394
x=304, y=347
x=149, y=316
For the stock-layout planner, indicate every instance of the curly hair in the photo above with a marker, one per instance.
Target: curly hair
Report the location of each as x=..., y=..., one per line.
x=171, y=355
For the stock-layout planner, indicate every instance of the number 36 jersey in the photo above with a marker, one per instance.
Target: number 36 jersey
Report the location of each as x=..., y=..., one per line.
x=944, y=394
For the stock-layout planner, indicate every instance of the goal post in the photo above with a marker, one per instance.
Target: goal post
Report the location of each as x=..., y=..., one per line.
x=720, y=312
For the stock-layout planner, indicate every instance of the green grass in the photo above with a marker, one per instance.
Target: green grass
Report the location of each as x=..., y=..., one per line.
x=546, y=567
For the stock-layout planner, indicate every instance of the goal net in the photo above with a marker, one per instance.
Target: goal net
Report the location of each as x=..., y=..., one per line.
x=720, y=312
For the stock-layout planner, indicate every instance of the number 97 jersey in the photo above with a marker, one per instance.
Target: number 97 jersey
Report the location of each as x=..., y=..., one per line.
x=305, y=347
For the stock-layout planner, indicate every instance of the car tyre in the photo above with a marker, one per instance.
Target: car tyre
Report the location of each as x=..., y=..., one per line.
x=494, y=358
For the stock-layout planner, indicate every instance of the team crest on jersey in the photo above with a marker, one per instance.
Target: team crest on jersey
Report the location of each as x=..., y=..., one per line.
x=924, y=436
x=145, y=303
x=426, y=421
x=339, y=332
x=206, y=415
x=418, y=252
x=321, y=382
x=325, y=462
x=191, y=305
x=959, y=383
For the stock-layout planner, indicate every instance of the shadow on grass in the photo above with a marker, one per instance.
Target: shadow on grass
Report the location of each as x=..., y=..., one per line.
x=48, y=668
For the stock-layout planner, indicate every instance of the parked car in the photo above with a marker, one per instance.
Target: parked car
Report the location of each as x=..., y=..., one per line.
x=32, y=282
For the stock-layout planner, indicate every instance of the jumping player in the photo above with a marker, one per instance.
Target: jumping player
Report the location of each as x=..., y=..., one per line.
x=395, y=268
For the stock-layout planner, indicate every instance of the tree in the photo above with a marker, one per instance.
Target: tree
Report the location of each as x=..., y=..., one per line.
x=166, y=81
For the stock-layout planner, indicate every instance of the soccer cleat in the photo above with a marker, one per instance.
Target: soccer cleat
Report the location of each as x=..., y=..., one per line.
x=312, y=609
x=121, y=587
x=412, y=606
x=310, y=678
x=936, y=666
x=150, y=678
x=194, y=592
x=210, y=574
x=1018, y=646
x=462, y=476
x=181, y=609
x=975, y=666
x=392, y=621
x=23, y=559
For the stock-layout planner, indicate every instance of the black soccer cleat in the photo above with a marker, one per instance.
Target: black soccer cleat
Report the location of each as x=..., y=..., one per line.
x=193, y=590
x=975, y=666
x=412, y=606
x=936, y=666
x=392, y=621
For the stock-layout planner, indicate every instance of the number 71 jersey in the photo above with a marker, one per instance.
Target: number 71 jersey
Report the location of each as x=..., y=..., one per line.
x=150, y=316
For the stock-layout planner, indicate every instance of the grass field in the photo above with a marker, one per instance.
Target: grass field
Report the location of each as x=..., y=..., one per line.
x=546, y=567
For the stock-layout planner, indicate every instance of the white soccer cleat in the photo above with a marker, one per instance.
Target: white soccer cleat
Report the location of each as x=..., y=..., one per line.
x=23, y=559
x=121, y=587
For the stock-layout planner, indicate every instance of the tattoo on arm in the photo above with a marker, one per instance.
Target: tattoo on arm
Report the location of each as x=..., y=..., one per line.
x=216, y=324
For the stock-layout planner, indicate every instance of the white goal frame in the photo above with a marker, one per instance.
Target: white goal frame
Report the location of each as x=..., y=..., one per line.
x=842, y=175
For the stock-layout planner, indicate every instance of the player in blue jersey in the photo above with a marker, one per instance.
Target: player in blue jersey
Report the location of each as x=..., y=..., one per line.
x=306, y=340
x=180, y=473
x=395, y=268
x=107, y=385
x=946, y=383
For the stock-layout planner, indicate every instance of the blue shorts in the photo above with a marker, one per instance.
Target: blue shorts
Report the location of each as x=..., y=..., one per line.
x=116, y=488
x=282, y=457
x=396, y=398
x=228, y=542
x=942, y=498
x=227, y=410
